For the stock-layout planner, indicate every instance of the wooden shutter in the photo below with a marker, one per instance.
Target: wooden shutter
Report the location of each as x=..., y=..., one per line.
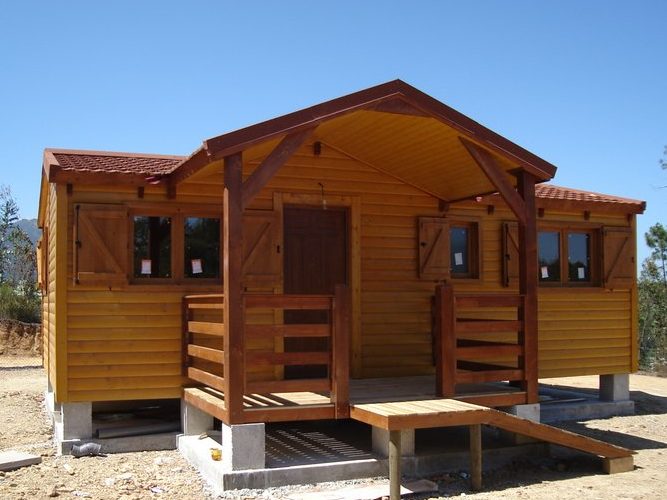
x=618, y=257
x=42, y=261
x=261, y=248
x=434, y=258
x=510, y=256
x=100, y=244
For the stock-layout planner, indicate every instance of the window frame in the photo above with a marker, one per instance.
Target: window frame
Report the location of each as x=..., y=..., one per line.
x=178, y=216
x=595, y=255
x=473, y=246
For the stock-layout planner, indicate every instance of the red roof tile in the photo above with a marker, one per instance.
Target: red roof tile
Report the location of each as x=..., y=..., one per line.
x=553, y=192
x=111, y=162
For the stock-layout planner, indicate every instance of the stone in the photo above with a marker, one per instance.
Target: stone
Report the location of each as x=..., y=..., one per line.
x=10, y=460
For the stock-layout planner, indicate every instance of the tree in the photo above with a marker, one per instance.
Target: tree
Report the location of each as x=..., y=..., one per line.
x=652, y=291
x=656, y=239
x=9, y=216
x=19, y=297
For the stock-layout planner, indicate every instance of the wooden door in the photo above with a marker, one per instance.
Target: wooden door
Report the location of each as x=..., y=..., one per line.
x=315, y=261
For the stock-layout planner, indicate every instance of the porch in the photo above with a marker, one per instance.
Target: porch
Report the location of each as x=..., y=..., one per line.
x=480, y=361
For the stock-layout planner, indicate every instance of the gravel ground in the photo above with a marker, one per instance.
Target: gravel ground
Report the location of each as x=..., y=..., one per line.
x=166, y=475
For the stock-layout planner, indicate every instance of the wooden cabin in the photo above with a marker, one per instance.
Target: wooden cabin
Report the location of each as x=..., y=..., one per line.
x=283, y=269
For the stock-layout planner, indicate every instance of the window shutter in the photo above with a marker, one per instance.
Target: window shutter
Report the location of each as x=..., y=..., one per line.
x=100, y=244
x=510, y=257
x=434, y=259
x=261, y=248
x=42, y=261
x=618, y=258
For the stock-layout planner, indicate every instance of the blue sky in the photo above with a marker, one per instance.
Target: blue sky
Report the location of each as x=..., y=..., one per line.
x=581, y=84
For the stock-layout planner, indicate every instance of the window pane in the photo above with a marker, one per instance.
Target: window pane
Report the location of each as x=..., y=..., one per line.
x=202, y=247
x=152, y=247
x=459, y=250
x=579, y=256
x=548, y=243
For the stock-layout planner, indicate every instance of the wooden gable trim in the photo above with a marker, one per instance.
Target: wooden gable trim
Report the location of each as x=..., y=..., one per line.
x=272, y=163
x=497, y=177
x=405, y=99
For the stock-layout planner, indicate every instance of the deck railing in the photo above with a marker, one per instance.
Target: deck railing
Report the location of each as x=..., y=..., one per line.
x=485, y=345
x=204, y=341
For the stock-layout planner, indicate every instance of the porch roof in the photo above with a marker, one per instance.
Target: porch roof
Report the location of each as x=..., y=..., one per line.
x=392, y=127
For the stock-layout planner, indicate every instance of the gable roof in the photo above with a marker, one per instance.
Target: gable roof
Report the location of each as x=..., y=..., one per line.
x=382, y=116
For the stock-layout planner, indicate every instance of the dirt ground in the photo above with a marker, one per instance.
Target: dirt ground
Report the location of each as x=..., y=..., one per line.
x=166, y=475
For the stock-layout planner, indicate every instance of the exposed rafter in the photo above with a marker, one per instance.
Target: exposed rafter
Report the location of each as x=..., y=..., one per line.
x=272, y=163
x=498, y=178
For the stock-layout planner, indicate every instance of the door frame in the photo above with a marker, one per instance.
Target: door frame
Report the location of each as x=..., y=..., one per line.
x=353, y=205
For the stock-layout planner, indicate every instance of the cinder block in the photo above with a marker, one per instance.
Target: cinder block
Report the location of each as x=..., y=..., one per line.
x=381, y=442
x=615, y=387
x=616, y=465
x=243, y=446
x=194, y=420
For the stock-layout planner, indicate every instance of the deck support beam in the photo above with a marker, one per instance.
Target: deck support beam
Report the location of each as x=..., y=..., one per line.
x=475, y=431
x=394, y=465
x=234, y=347
x=528, y=283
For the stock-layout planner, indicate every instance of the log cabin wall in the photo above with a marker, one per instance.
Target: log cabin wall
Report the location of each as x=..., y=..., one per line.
x=124, y=342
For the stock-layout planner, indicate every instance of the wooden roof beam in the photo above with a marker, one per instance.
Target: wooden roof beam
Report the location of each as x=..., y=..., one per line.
x=272, y=163
x=498, y=178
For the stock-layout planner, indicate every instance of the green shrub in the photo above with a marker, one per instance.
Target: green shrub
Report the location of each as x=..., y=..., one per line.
x=18, y=306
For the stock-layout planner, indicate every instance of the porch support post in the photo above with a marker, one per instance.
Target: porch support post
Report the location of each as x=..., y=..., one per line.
x=234, y=351
x=528, y=283
x=342, y=324
x=445, y=341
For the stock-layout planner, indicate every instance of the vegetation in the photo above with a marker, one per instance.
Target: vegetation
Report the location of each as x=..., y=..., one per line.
x=19, y=296
x=652, y=288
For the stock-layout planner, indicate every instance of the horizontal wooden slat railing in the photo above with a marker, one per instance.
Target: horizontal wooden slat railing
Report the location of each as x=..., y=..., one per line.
x=203, y=354
x=336, y=358
x=203, y=339
x=464, y=355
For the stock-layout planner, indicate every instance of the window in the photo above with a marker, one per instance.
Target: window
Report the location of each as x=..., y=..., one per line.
x=152, y=247
x=448, y=248
x=464, y=249
x=174, y=247
x=566, y=256
x=201, y=247
x=549, y=255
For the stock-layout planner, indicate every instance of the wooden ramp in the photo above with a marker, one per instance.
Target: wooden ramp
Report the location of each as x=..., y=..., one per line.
x=402, y=415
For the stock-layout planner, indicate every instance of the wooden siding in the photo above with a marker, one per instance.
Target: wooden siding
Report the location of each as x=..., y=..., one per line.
x=125, y=343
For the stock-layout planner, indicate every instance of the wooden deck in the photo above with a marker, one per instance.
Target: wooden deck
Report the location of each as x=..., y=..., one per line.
x=306, y=405
x=401, y=415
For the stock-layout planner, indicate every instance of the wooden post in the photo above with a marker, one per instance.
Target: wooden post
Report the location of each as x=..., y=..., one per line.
x=445, y=345
x=528, y=284
x=185, y=338
x=234, y=357
x=394, y=465
x=340, y=351
x=475, y=456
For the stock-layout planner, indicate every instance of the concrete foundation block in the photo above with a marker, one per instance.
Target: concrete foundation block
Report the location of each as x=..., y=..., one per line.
x=615, y=387
x=529, y=411
x=243, y=446
x=381, y=442
x=194, y=421
x=73, y=421
x=616, y=465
